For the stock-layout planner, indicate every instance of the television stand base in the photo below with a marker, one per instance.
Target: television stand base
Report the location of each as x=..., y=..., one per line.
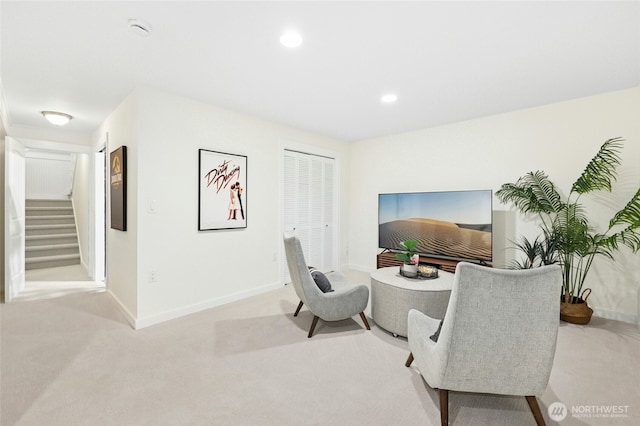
x=386, y=259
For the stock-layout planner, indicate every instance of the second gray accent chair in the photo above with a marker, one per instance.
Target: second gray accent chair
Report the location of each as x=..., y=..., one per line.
x=344, y=302
x=498, y=335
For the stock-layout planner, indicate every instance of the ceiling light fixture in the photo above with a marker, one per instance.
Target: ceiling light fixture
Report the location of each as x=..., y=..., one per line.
x=389, y=98
x=57, y=118
x=291, y=39
x=140, y=27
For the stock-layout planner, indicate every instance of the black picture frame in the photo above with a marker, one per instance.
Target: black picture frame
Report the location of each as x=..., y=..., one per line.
x=222, y=190
x=118, y=186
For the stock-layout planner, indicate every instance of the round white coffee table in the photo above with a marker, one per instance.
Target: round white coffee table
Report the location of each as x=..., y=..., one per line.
x=392, y=296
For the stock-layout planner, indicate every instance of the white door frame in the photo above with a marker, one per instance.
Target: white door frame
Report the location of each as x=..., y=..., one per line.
x=288, y=145
x=96, y=254
x=97, y=226
x=14, y=219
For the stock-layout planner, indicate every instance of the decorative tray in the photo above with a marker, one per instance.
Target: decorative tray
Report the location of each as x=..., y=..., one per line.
x=425, y=272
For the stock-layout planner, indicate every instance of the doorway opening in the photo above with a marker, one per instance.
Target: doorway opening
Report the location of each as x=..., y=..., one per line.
x=310, y=207
x=63, y=229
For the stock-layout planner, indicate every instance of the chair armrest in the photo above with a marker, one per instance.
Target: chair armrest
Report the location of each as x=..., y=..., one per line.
x=422, y=325
x=430, y=357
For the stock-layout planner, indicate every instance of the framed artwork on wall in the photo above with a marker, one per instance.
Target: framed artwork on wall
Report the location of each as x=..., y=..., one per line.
x=118, y=185
x=222, y=190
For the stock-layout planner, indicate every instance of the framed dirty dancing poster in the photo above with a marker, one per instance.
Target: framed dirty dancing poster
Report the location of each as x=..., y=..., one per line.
x=222, y=190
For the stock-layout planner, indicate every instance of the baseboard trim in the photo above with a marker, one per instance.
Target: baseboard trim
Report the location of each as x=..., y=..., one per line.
x=360, y=268
x=125, y=312
x=202, y=306
x=602, y=313
x=85, y=266
x=618, y=316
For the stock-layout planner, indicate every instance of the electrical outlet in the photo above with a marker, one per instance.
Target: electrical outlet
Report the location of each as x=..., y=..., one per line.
x=153, y=276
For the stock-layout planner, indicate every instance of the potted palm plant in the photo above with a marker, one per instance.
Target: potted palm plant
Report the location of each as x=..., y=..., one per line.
x=542, y=251
x=566, y=227
x=409, y=258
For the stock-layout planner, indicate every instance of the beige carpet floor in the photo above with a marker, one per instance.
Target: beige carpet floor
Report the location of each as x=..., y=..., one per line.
x=73, y=360
x=48, y=283
x=59, y=273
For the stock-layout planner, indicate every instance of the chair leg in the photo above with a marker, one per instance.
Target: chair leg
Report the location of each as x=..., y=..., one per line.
x=444, y=407
x=364, y=320
x=313, y=326
x=535, y=409
x=409, y=360
x=299, y=307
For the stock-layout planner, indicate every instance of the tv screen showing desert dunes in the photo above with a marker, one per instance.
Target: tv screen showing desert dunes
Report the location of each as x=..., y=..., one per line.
x=454, y=224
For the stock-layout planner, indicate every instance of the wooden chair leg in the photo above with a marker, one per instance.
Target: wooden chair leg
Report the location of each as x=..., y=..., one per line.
x=313, y=326
x=409, y=360
x=364, y=320
x=535, y=409
x=444, y=407
x=298, y=310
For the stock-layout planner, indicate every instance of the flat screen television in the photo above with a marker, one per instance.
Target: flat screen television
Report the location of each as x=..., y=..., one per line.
x=453, y=225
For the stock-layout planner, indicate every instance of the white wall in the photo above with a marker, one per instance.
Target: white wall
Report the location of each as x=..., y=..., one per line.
x=3, y=134
x=197, y=270
x=485, y=153
x=122, y=247
x=82, y=185
x=49, y=175
x=2, y=207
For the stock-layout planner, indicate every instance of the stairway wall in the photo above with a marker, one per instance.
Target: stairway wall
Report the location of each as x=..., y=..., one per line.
x=51, y=238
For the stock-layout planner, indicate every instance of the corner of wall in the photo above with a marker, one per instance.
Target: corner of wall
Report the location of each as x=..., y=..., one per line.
x=2, y=206
x=122, y=253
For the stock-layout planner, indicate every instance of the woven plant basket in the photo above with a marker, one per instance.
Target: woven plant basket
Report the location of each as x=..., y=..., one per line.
x=577, y=312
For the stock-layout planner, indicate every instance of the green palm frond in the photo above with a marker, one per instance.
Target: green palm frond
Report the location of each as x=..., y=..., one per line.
x=547, y=250
x=519, y=264
x=512, y=193
x=532, y=193
x=601, y=170
x=569, y=214
x=545, y=191
x=630, y=214
x=531, y=251
x=629, y=217
x=573, y=236
x=628, y=237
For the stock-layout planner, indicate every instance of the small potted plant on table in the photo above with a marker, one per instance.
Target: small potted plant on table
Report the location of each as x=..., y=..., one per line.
x=409, y=258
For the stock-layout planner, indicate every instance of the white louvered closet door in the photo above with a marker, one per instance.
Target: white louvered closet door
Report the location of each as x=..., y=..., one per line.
x=309, y=208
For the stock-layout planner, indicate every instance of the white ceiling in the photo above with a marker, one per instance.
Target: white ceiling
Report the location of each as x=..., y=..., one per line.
x=446, y=61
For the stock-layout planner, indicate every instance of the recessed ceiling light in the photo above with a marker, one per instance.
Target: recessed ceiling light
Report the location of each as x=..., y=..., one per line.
x=291, y=39
x=57, y=118
x=389, y=98
x=140, y=27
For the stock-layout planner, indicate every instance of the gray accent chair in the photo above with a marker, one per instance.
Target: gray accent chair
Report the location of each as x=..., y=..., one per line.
x=344, y=302
x=498, y=335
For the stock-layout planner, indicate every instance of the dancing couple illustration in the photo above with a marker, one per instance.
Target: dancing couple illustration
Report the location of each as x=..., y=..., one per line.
x=235, y=202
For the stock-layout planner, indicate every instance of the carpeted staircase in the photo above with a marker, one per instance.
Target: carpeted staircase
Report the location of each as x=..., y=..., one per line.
x=50, y=238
